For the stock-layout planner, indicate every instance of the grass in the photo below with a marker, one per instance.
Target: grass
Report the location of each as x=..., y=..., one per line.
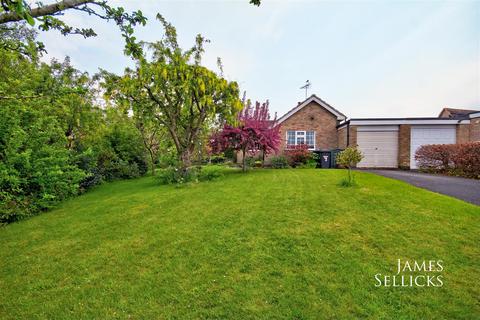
x=268, y=244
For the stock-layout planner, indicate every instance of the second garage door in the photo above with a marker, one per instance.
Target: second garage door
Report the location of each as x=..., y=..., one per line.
x=379, y=148
x=421, y=135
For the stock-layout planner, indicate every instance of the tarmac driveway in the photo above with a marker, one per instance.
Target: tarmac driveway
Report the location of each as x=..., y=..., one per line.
x=461, y=188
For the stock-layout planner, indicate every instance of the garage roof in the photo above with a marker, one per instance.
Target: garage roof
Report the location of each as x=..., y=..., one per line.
x=398, y=121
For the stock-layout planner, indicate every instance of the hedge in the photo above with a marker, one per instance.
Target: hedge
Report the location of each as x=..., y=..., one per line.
x=454, y=159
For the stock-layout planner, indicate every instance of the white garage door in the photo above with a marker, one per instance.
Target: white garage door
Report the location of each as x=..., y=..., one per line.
x=429, y=135
x=379, y=148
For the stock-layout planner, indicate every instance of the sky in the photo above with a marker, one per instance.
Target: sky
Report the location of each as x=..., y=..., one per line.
x=365, y=58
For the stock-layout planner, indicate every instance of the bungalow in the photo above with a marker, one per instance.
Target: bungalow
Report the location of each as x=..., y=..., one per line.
x=384, y=142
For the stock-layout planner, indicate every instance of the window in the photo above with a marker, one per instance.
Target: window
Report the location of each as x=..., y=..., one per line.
x=290, y=138
x=310, y=139
x=300, y=137
x=295, y=138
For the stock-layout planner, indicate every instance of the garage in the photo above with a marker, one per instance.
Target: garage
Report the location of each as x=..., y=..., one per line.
x=421, y=135
x=379, y=146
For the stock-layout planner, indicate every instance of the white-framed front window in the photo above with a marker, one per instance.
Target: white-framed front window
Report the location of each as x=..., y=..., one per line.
x=299, y=137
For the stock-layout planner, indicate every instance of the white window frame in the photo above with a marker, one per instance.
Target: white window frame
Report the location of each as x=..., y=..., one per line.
x=301, y=133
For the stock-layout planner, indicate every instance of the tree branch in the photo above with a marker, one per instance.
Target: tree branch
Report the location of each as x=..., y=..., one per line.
x=45, y=10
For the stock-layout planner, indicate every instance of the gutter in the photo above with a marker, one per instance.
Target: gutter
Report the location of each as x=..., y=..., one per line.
x=341, y=125
x=348, y=133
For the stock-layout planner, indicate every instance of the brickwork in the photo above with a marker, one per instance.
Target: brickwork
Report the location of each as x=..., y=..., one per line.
x=342, y=138
x=353, y=136
x=404, y=146
x=313, y=117
x=463, y=133
x=475, y=129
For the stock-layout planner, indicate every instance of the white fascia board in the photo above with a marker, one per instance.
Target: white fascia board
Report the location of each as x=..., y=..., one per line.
x=406, y=121
x=306, y=102
x=377, y=128
x=474, y=115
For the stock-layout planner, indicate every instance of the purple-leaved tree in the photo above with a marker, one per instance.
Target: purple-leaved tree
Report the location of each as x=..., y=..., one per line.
x=254, y=132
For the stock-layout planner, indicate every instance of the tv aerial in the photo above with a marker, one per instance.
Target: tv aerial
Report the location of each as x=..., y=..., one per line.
x=306, y=87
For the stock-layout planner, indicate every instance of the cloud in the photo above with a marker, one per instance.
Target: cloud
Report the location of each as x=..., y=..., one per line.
x=366, y=59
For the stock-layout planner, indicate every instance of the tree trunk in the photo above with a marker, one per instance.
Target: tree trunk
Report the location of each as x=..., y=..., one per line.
x=186, y=158
x=244, y=161
x=152, y=159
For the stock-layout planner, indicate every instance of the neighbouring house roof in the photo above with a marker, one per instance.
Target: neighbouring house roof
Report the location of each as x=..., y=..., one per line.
x=453, y=113
x=474, y=115
x=313, y=98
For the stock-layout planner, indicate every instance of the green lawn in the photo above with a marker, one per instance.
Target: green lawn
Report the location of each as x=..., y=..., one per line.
x=269, y=244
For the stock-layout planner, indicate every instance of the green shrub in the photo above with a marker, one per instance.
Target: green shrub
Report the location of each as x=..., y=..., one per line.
x=208, y=173
x=298, y=155
x=349, y=158
x=36, y=170
x=250, y=161
x=168, y=159
x=230, y=155
x=279, y=162
x=122, y=155
x=217, y=159
x=173, y=175
x=453, y=159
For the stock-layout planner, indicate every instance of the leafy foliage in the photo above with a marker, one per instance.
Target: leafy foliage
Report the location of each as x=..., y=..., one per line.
x=174, y=175
x=57, y=140
x=47, y=16
x=310, y=164
x=279, y=162
x=349, y=158
x=436, y=157
x=455, y=159
x=177, y=92
x=36, y=170
x=254, y=132
x=54, y=139
x=121, y=155
x=217, y=159
x=20, y=39
x=298, y=155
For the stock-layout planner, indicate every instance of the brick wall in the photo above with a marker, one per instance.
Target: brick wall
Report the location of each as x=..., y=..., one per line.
x=475, y=129
x=463, y=133
x=353, y=136
x=404, y=146
x=342, y=138
x=313, y=117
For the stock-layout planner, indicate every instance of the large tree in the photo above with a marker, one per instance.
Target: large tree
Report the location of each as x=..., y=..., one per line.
x=180, y=93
